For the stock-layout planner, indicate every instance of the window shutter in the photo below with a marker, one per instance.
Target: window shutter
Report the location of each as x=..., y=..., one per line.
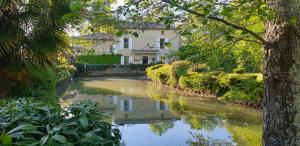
x=130, y=59
x=166, y=41
x=130, y=43
x=157, y=105
x=122, y=105
x=157, y=43
x=122, y=60
x=130, y=105
x=115, y=50
x=115, y=99
x=121, y=43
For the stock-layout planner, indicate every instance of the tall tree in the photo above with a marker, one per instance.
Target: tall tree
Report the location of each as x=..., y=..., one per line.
x=281, y=43
x=33, y=32
x=282, y=63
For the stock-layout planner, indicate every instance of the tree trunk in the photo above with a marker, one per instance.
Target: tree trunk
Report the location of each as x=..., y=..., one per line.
x=281, y=105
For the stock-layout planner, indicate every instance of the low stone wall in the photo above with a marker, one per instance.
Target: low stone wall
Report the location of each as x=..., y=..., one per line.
x=110, y=70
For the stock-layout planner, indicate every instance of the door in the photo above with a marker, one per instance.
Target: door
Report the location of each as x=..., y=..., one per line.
x=145, y=59
x=126, y=60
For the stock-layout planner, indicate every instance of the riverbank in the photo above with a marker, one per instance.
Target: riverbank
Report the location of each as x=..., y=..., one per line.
x=242, y=88
x=110, y=70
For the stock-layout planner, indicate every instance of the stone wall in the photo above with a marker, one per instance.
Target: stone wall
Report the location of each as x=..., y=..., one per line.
x=110, y=70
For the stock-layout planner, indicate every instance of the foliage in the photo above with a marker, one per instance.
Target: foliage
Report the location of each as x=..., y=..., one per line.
x=99, y=59
x=28, y=122
x=224, y=35
x=181, y=67
x=162, y=73
x=42, y=83
x=233, y=87
x=239, y=70
x=20, y=46
x=33, y=33
x=242, y=86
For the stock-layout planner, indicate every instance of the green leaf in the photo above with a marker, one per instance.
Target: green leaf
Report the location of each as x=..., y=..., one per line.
x=59, y=138
x=119, y=33
x=76, y=5
x=84, y=122
x=44, y=139
x=226, y=11
x=6, y=140
x=25, y=126
x=168, y=44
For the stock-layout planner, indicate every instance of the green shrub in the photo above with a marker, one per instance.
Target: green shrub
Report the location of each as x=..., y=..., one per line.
x=181, y=67
x=99, y=59
x=233, y=87
x=200, y=82
x=239, y=70
x=198, y=68
x=162, y=73
x=242, y=87
x=41, y=83
x=28, y=122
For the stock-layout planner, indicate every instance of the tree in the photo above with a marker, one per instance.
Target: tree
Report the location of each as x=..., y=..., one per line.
x=281, y=43
x=33, y=33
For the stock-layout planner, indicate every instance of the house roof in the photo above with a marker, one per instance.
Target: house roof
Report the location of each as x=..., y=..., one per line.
x=147, y=25
x=99, y=36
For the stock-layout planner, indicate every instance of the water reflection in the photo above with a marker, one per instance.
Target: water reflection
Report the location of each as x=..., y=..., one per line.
x=149, y=114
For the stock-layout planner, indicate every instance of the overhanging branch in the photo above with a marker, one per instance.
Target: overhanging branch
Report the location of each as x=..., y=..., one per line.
x=244, y=29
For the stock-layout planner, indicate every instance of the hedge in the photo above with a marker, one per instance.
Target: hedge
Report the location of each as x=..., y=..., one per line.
x=228, y=86
x=99, y=59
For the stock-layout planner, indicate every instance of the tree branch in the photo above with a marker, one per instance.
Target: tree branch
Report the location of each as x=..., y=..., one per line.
x=263, y=41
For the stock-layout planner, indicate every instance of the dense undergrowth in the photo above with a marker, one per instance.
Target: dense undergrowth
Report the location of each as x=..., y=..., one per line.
x=32, y=116
x=236, y=87
x=28, y=122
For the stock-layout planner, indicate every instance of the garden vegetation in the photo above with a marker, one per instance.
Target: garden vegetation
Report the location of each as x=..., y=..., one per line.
x=236, y=87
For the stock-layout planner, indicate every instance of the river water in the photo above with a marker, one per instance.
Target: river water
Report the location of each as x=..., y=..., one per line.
x=152, y=115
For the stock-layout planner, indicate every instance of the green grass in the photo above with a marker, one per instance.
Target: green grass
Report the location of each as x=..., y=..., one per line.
x=98, y=59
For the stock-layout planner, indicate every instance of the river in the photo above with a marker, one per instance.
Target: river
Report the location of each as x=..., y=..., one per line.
x=148, y=114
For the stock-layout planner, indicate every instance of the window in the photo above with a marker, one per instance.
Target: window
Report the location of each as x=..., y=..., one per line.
x=111, y=100
x=162, y=32
x=162, y=105
x=126, y=105
x=126, y=60
x=162, y=43
x=153, y=60
x=126, y=43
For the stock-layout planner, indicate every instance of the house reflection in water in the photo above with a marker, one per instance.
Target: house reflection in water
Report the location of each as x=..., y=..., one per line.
x=128, y=110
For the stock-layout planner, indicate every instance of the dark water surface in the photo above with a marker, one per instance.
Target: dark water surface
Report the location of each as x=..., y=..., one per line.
x=153, y=115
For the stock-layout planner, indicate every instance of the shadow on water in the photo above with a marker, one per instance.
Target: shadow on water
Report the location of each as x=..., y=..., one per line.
x=149, y=114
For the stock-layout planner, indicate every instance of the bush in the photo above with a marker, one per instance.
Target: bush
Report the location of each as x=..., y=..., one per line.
x=239, y=70
x=27, y=122
x=181, y=67
x=233, y=87
x=99, y=59
x=162, y=73
x=41, y=83
x=246, y=87
x=198, y=68
x=199, y=82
